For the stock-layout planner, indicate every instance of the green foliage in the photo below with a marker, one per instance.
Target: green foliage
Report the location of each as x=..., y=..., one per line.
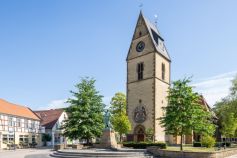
x=228, y=124
x=208, y=141
x=121, y=124
x=118, y=103
x=149, y=134
x=85, y=119
x=144, y=145
x=46, y=138
x=184, y=113
x=226, y=111
x=119, y=118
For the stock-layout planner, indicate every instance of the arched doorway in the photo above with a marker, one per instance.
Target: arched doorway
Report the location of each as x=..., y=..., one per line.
x=139, y=132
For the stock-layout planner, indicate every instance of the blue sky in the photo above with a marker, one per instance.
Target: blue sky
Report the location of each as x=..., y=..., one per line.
x=47, y=46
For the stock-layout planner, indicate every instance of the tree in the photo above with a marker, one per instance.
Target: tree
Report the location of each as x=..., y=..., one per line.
x=46, y=138
x=149, y=134
x=121, y=124
x=118, y=103
x=228, y=124
x=119, y=118
x=227, y=120
x=184, y=113
x=85, y=112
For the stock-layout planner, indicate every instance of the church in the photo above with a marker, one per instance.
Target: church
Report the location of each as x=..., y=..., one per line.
x=148, y=80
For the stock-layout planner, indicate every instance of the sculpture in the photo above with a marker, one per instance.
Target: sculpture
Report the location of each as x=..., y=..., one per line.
x=107, y=122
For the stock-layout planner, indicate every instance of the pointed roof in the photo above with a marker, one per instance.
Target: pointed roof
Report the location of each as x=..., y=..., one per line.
x=49, y=117
x=16, y=110
x=155, y=35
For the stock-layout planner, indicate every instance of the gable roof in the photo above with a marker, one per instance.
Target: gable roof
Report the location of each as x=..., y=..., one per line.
x=153, y=33
x=49, y=117
x=17, y=110
x=204, y=103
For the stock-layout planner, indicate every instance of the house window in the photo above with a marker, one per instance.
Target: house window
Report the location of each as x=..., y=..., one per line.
x=10, y=121
x=18, y=122
x=163, y=71
x=140, y=68
x=23, y=139
x=33, y=139
x=26, y=124
x=7, y=138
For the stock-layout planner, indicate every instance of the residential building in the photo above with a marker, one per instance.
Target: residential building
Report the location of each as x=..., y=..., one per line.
x=18, y=125
x=51, y=121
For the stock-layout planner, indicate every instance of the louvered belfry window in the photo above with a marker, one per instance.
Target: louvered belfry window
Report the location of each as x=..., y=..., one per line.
x=163, y=71
x=140, y=68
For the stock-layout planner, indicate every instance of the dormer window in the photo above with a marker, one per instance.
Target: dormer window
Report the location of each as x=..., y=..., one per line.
x=155, y=36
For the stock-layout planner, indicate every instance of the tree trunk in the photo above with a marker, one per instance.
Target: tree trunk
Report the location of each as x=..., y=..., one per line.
x=181, y=143
x=87, y=141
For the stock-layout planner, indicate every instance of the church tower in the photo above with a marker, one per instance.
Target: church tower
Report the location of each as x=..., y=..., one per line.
x=148, y=80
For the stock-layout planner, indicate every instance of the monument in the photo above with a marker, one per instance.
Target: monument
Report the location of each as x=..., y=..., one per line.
x=108, y=138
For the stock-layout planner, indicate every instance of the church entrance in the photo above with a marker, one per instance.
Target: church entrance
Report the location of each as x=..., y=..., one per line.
x=139, y=133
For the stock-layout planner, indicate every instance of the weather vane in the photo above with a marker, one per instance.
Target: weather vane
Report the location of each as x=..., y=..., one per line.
x=156, y=18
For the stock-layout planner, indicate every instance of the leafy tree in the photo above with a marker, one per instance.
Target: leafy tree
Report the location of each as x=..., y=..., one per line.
x=184, y=113
x=228, y=124
x=46, y=138
x=121, y=124
x=85, y=119
x=118, y=103
x=119, y=118
x=149, y=134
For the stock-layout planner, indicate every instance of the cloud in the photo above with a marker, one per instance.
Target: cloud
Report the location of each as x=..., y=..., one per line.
x=215, y=88
x=55, y=104
x=61, y=103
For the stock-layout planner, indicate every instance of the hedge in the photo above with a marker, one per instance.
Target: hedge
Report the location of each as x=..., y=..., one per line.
x=228, y=144
x=144, y=145
x=198, y=144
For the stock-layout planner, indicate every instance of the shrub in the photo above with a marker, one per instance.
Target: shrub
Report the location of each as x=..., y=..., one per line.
x=222, y=144
x=197, y=144
x=144, y=145
x=46, y=138
x=208, y=141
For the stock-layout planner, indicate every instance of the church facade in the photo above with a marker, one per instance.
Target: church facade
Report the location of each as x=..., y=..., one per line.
x=148, y=80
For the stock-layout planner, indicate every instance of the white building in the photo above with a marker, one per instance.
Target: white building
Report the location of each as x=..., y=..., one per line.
x=19, y=126
x=52, y=120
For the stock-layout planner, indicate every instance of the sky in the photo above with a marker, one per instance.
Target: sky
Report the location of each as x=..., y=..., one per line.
x=48, y=46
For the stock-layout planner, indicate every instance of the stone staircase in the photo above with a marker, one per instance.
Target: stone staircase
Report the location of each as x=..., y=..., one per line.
x=101, y=153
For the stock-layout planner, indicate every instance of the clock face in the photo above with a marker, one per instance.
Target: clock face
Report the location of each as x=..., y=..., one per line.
x=140, y=46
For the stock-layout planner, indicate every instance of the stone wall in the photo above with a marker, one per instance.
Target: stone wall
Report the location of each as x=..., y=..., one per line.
x=185, y=154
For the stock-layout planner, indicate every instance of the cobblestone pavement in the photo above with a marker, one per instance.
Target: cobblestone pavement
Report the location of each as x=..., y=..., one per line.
x=25, y=153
